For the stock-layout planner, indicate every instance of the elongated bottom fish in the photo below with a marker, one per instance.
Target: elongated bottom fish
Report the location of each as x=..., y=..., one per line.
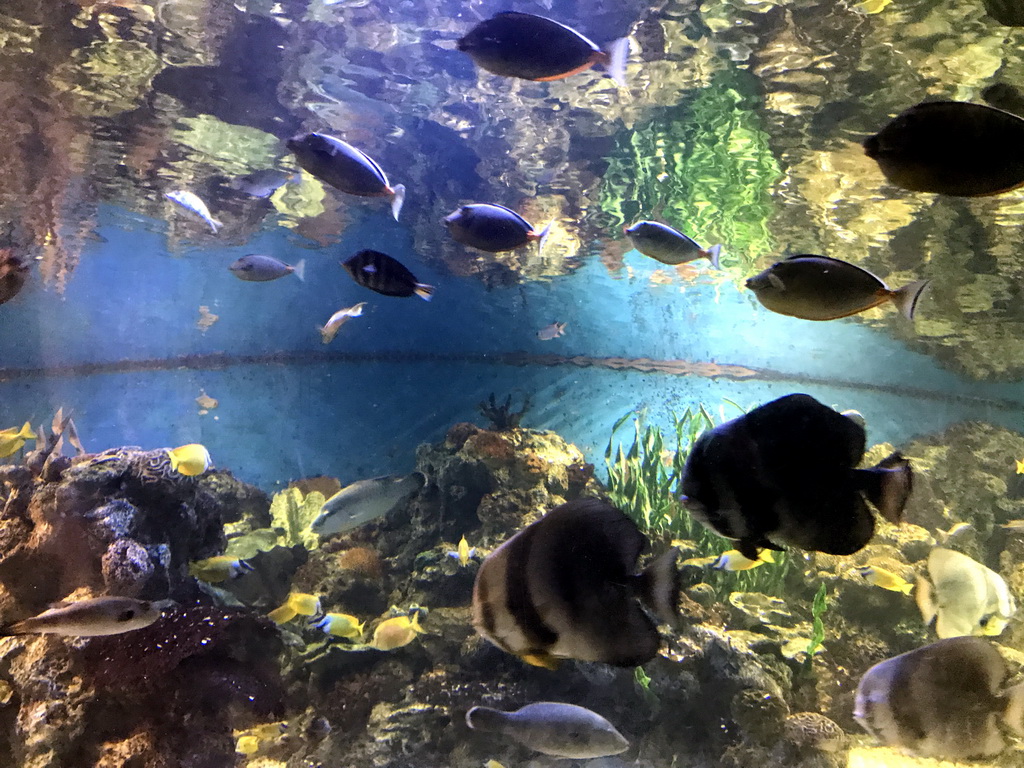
x=91, y=618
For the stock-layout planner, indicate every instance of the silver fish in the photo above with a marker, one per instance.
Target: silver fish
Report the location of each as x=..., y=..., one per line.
x=338, y=319
x=552, y=728
x=191, y=202
x=552, y=331
x=363, y=501
x=91, y=618
x=260, y=268
x=963, y=597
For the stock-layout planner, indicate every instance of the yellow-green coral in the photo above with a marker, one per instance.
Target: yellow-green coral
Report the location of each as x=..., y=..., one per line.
x=292, y=513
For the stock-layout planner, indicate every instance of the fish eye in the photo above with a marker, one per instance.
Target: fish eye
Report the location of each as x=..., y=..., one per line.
x=126, y=615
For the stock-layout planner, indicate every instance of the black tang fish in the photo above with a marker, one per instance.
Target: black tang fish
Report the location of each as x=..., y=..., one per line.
x=344, y=167
x=785, y=473
x=951, y=148
x=946, y=700
x=821, y=288
x=385, y=275
x=531, y=47
x=492, y=228
x=566, y=587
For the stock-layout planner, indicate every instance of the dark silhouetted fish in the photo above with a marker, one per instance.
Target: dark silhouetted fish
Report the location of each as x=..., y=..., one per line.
x=492, y=228
x=385, y=275
x=946, y=700
x=259, y=268
x=262, y=183
x=344, y=167
x=951, y=148
x=667, y=245
x=1009, y=13
x=821, y=288
x=785, y=474
x=1004, y=96
x=566, y=587
x=552, y=728
x=13, y=274
x=531, y=47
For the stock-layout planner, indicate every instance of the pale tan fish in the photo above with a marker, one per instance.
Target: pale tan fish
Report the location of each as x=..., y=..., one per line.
x=338, y=319
x=92, y=618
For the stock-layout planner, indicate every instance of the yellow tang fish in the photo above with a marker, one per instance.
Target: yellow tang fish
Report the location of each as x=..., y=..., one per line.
x=464, y=552
x=11, y=440
x=296, y=603
x=191, y=460
x=217, y=569
x=880, y=577
x=395, y=632
x=340, y=625
x=734, y=560
x=1020, y=466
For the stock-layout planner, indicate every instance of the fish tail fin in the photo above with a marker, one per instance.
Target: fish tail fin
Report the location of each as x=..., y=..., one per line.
x=907, y=588
x=906, y=298
x=1013, y=715
x=542, y=236
x=887, y=485
x=397, y=199
x=486, y=719
x=712, y=254
x=618, y=53
x=300, y=270
x=425, y=292
x=926, y=600
x=215, y=225
x=659, y=587
x=26, y=432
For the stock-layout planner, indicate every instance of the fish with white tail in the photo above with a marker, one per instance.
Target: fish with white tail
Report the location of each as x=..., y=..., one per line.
x=191, y=202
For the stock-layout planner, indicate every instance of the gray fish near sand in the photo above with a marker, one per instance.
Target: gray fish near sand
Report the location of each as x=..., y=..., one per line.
x=552, y=728
x=963, y=596
x=946, y=700
x=91, y=618
x=364, y=501
x=566, y=587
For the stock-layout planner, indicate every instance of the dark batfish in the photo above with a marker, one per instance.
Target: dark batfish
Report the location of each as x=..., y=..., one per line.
x=344, y=167
x=667, y=245
x=785, y=474
x=946, y=700
x=258, y=268
x=951, y=148
x=566, y=587
x=535, y=48
x=385, y=275
x=492, y=228
x=821, y=288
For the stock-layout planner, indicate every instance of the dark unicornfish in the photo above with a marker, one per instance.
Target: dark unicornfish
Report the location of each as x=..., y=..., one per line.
x=492, y=228
x=947, y=700
x=344, y=167
x=385, y=275
x=822, y=288
x=786, y=473
x=669, y=246
x=531, y=47
x=567, y=587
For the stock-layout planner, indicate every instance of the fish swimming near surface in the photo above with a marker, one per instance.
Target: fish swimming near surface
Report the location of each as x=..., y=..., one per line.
x=493, y=228
x=385, y=275
x=262, y=183
x=552, y=331
x=785, y=473
x=218, y=569
x=822, y=288
x=333, y=325
x=734, y=560
x=662, y=243
x=259, y=268
x=552, y=728
x=531, y=47
x=951, y=148
x=886, y=579
x=192, y=459
x=190, y=202
x=91, y=618
x=345, y=168
x=566, y=587
x=947, y=700
x=963, y=596
x=13, y=438
x=364, y=501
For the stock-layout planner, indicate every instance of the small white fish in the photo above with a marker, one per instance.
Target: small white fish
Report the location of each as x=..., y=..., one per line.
x=552, y=331
x=191, y=202
x=338, y=319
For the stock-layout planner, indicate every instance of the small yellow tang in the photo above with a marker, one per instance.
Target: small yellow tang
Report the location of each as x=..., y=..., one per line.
x=463, y=552
x=219, y=568
x=395, y=632
x=248, y=742
x=296, y=604
x=1020, y=466
x=493, y=764
x=1014, y=526
x=880, y=577
x=340, y=625
x=191, y=460
x=733, y=560
x=12, y=439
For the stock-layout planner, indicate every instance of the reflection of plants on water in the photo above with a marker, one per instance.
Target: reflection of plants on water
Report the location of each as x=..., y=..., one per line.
x=704, y=167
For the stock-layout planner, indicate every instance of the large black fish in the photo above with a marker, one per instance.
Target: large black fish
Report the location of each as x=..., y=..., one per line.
x=532, y=47
x=385, y=275
x=951, y=148
x=344, y=167
x=946, y=700
x=785, y=473
x=566, y=587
